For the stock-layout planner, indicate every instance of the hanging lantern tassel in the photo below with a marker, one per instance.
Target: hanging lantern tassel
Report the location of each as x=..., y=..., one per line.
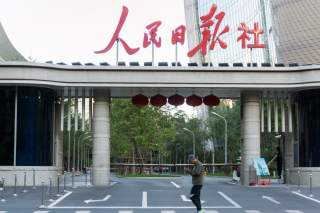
x=140, y=100
x=176, y=100
x=194, y=100
x=211, y=100
x=158, y=100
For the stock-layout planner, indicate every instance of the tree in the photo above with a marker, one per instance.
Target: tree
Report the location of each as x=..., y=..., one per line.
x=139, y=132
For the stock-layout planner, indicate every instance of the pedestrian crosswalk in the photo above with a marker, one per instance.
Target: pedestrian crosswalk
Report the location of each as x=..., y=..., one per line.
x=160, y=211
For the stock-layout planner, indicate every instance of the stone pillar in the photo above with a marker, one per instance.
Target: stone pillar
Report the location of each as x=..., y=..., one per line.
x=250, y=130
x=101, y=138
x=288, y=157
x=58, y=139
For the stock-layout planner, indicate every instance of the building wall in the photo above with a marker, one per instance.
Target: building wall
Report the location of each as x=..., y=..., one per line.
x=296, y=30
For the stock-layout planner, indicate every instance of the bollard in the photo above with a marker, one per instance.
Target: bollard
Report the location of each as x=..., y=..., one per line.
x=86, y=178
x=50, y=186
x=15, y=186
x=287, y=178
x=58, y=186
x=310, y=176
x=2, y=188
x=72, y=178
x=90, y=177
x=33, y=178
x=42, y=196
x=64, y=181
x=24, y=182
x=299, y=179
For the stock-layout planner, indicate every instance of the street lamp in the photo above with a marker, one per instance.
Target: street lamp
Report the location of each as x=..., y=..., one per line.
x=225, y=136
x=193, y=138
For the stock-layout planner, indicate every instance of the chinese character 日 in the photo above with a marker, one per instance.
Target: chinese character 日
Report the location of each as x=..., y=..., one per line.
x=206, y=33
x=116, y=36
x=178, y=35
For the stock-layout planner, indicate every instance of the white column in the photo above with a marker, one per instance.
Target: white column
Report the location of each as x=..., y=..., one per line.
x=101, y=138
x=58, y=138
x=289, y=146
x=262, y=115
x=290, y=128
x=90, y=109
x=269, y=114
x=276, y=118
x=83, y=117
x=76, y=109
x=250, y=125
x=283, y=116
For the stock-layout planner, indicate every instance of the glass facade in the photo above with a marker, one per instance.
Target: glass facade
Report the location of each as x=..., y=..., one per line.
x=309, y=121
x=35, y=113
x=7, y=105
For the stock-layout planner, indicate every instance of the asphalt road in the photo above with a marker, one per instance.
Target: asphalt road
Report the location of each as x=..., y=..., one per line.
x=142, y=195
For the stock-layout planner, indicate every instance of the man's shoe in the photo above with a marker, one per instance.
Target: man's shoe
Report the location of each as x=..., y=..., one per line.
x=201, y=211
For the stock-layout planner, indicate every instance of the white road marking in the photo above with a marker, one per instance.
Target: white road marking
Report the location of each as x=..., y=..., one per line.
x=3, y=211
x=139, y=207
x=271, y=199
x=294, y=211
x=113, y=183
x=125, y=211
x=167, y=211
x=211, y=211
x=235, y=204
x=60, y=199
x=144, y=200
x=252, y=211
x=176, y=185
x=304, y=196
x=40, y=211
x=101, y=200
x=185, y=199
x=82, y=211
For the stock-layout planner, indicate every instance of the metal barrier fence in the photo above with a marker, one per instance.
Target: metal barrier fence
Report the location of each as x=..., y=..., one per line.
x=124, y=168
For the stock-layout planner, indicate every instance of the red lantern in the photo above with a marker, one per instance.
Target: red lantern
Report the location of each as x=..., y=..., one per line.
x=176, y=100
x=194, y=100
x=140, y=100
x=158, y=100
x=211, y=100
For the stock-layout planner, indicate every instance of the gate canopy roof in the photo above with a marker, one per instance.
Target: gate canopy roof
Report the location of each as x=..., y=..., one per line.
x=127, y=81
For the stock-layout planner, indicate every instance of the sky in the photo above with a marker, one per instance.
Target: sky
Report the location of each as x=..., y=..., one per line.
x=71, y=30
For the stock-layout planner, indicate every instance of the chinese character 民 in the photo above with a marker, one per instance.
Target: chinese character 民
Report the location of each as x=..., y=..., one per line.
x=152, y=28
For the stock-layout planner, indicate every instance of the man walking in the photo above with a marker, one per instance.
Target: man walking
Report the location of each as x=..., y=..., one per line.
x=197, y=181
x=278, y=158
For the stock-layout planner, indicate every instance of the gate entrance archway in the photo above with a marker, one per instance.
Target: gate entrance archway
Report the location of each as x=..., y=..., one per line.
x=100, y=83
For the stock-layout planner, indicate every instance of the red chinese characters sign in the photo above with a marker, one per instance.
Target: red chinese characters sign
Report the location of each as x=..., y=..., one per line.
x=212, y=30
